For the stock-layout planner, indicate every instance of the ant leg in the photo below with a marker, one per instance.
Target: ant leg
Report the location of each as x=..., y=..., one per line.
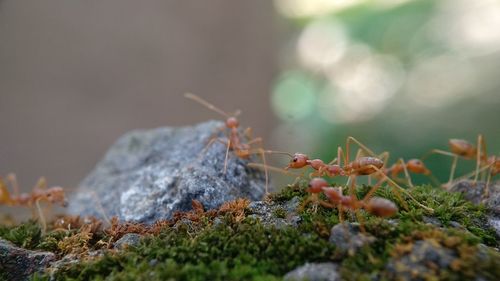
x=487, y=187
x=453, y=164
x=341, y=156
x=452, y=171
x=481, y=155
x=227, y=155
x=352, y=186
x=5, y=197
x=272, y=168
x=394, y=190
x=341, y=213
x=364, y=147
x=255, y=140
x=41, y=216
x=333, y=161
x=12, y=181
x=384, y=156
x=248, y=133
x=360, y=219
x=262, y=154
x=397, y=186
x=304, y=204
x=210, y=143
x=206, y=104
x=478, y=157
x=100, y=208
x=40, y=185
x=407, y=175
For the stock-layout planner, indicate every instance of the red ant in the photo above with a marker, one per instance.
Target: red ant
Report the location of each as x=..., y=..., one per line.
x=40, y=193
x=358, y=167
x=466, y=150
x=241, y=149
x=377, y=206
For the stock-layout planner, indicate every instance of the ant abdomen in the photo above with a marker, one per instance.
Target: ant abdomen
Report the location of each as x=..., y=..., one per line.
x=381, y=207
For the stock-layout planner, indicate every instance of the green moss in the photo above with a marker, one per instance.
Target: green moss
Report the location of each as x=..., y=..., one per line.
x=26, y=235
x=279, y=213
x=244, y=251
x=251, y=251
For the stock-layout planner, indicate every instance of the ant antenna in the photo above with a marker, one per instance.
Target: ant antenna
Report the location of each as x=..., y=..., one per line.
x=208, y=105
x=278, y=152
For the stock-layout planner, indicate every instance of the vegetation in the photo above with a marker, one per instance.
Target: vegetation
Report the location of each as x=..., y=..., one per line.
x=227, y=244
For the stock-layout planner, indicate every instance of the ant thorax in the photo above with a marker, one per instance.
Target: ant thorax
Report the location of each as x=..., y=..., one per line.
x=316, y=163
x=335, y=170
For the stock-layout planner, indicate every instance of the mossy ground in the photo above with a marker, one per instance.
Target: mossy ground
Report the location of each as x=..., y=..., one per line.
x=241, y=248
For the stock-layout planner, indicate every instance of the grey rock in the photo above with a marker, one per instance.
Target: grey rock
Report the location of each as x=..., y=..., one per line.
x=494, y=222
x=429, y=259
x=475, y=193
x=423, y=258
x=432, y=221
x=19, y=264
x=348, y=238
x=455, y=224
x=327, y=271
x=275, y=214
x=129, y=239
x=66, y=261
x=149, y=174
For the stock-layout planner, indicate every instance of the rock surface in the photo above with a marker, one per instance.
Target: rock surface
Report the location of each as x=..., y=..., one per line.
x=314, y=272
x=276, y=214
x=149, y=174
x=129, y=239
x=427, y=259
x=476, y=193
x=348, y=238
x=18, y=264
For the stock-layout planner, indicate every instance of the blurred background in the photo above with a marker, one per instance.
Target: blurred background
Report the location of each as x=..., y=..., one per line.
x=399, y=75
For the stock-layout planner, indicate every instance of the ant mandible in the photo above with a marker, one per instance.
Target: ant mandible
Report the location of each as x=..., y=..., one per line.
x=234, y=140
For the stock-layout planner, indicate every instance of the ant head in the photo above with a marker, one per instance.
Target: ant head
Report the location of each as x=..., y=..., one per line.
x=381, y=207
x=56, y=195
x=333, y=194
x=461, y=147
x=298, y=161
x=232, y=122
x=417, y=166
x=316, y=185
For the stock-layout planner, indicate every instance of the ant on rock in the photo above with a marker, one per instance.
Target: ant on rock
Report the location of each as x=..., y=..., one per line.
x=39, y=193
x=234, y=140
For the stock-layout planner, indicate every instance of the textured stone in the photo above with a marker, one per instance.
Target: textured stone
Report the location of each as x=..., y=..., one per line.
x=475, y=193
x=129, y=239
x=149, y=174
x=19, y=264
x=348, y=238
x=421, y=262
x=314, y=272
x=276, y=214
